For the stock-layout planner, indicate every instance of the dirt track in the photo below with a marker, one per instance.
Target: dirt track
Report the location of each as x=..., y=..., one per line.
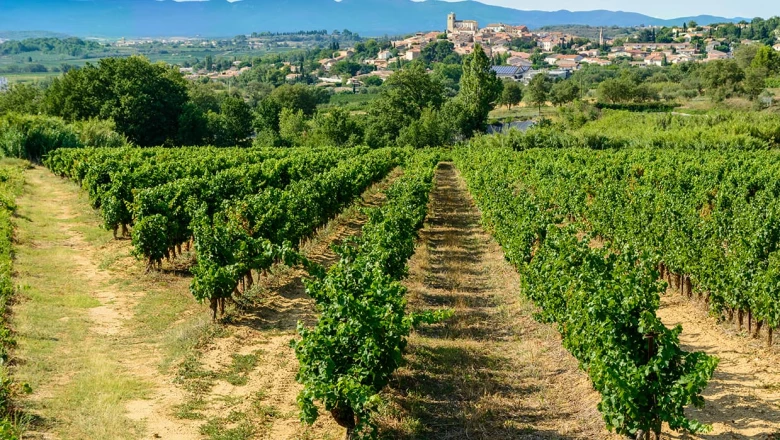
x=81, y=297
x=491, y=372
x=743, y=398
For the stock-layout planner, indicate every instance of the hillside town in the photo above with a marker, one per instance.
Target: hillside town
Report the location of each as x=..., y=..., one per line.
x=517, y=52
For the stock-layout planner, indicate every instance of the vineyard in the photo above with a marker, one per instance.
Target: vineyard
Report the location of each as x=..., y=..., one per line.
x=226, y=222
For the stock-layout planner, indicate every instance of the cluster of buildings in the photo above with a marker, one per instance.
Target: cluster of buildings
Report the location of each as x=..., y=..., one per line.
x=497, y=38
x=234, y=71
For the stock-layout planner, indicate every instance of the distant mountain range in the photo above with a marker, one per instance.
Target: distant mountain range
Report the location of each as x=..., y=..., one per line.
x=222, y=18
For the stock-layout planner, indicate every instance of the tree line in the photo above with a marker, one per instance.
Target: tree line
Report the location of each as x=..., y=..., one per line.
x=152, y=104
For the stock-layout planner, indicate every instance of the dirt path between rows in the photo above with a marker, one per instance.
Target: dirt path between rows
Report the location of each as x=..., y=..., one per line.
x=743, y=398
x=78, y=340
x=491, y=372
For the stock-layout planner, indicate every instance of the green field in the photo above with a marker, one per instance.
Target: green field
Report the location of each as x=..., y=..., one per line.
x=28, y=78
x=54, y=62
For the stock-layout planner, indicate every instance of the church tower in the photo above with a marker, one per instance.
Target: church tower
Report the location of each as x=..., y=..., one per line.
x=451, y=22
x=601, y=37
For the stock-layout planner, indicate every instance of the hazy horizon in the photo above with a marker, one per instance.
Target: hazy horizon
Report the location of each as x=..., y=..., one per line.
x=665, y=9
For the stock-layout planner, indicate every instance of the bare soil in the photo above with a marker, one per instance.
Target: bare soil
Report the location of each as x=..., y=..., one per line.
x=743, y=398
x=492, y=371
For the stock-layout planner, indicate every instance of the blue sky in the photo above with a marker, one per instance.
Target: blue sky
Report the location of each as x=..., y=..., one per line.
x=656, y=8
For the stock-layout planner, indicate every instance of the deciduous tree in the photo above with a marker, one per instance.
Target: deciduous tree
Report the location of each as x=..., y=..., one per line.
x=512, y=94
x=538, y=90
x=145, y=100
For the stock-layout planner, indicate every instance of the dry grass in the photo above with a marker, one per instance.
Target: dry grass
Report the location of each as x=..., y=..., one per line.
x=77, y=376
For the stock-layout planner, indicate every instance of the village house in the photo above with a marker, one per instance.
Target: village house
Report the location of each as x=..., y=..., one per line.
x=622, y=54
x=382, y=74
x=691, y=51
x=461, y=39
x=496, y=27
x=680, y=58
x=575, y=58
x=596, y=61
x=412, y=54
x=464, y=50
x=384, y=55
x=379, y=64
x=518, y=61
x=567, y=64
x=713, y=43
x=653, y=47
x=514, y=73
x=518, y=30
x=430, y=36
x=717, y=55
x=547, y=43
x=524, y=55
x=776, y=47
x=655, y=59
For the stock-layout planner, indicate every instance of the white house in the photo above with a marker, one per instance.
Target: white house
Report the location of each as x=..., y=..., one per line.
x=495, y=27
x=384, y=55
x=776, y=47
x=597, y=61
x=655, y=59
x=547, y=43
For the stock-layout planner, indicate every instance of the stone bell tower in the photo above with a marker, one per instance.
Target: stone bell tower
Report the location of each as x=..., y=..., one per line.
x=451, y=22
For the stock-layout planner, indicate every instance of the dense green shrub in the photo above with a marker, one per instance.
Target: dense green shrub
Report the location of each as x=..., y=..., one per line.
x=31, y=137
x=639, y=106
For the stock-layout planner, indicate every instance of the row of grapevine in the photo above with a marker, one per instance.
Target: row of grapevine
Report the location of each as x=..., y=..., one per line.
x=74, y=163
x=162, y=215
x=158, y=188
x=11, y=184
x=358, y=341
x=254, y=232
x=709, y=220
x=603, y=299
x=110, y=175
